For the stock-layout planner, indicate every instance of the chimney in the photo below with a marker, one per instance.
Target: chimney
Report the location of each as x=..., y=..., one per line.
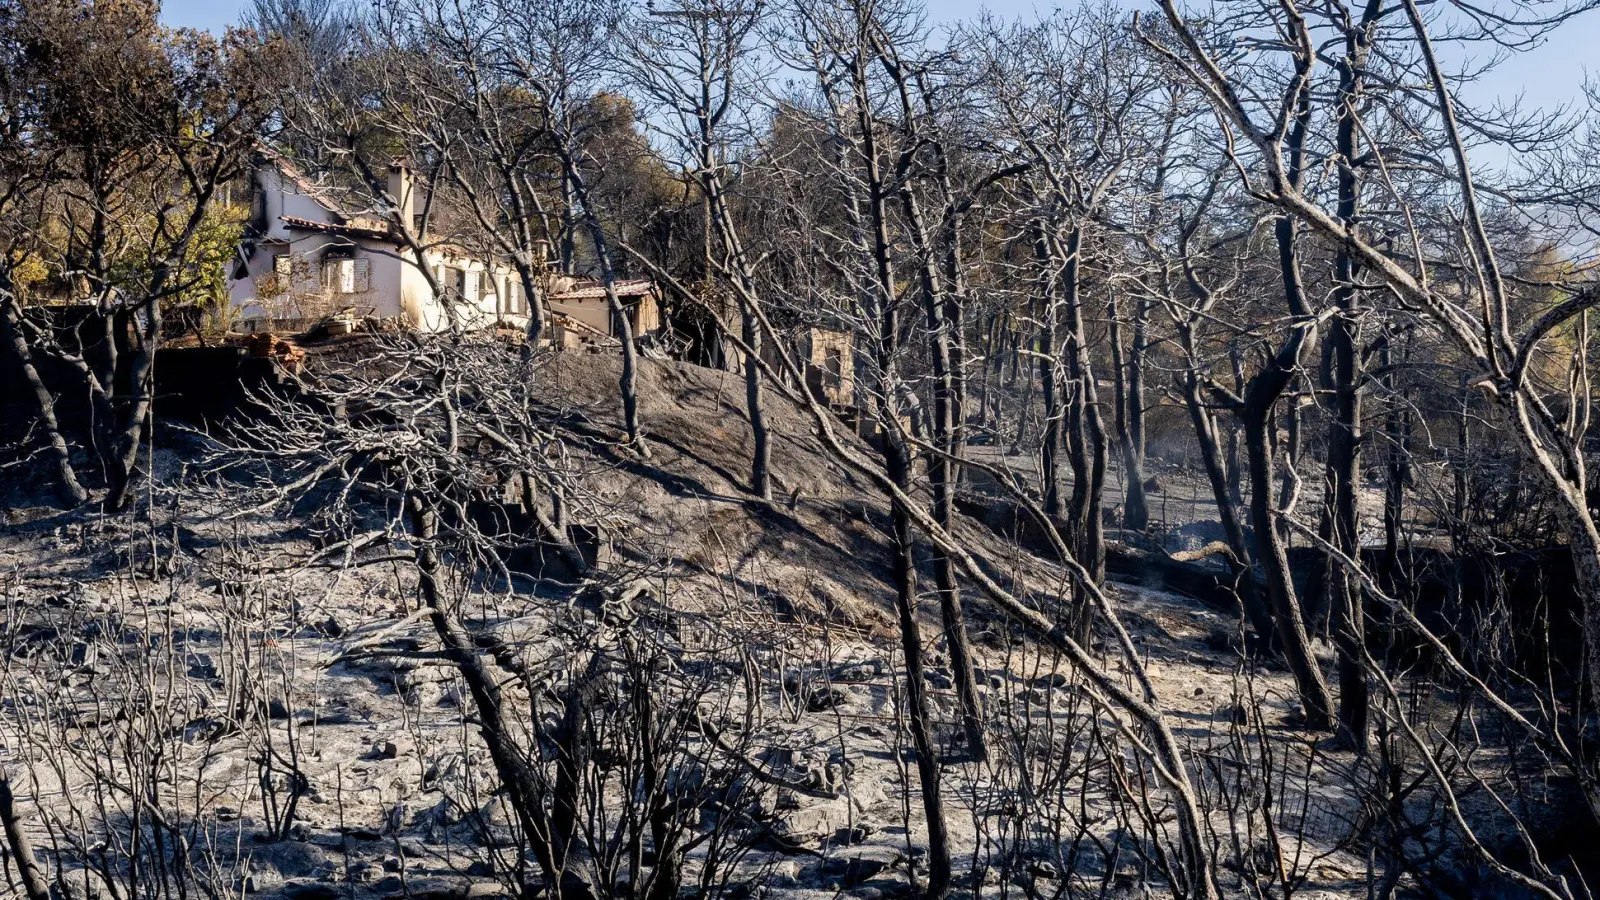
x=400, y=188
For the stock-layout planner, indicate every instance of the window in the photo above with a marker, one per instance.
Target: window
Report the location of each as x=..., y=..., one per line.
x=347, y=276
x=453, y=282
x=296, y=273
x=514, y=305
x=833, y=366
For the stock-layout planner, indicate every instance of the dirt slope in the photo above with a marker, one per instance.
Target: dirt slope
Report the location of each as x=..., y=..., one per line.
x=821, y=548
x=343, y=676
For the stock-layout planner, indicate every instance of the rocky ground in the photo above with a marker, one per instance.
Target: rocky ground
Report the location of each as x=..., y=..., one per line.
x=197, y=658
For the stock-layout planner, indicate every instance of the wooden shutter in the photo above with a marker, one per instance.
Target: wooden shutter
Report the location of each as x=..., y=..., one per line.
x=308, y=274
x=360, y=275
x=339, y=275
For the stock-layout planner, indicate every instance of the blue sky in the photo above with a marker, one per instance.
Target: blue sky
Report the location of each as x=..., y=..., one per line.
x=1549, y=76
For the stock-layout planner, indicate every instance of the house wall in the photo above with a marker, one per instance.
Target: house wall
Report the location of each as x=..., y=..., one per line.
x=591, y=311
x=307, y=298
x=427, y=312
x=595, y=312
x=832, y=381
x=304, y=300
x=647, y=316
x=395, y=286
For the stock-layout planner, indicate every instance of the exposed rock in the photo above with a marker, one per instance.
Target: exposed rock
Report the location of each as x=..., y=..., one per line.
x=823, y=698
x=310, y=890
x=1044, y=870
x=262, y=880
x=816, y=694
x=334, y=626
x=859, y=672
x=815, y=820
x=83, y=885
x=849, y=871
x=202, y=666
x=287, y=859
x=844, y=837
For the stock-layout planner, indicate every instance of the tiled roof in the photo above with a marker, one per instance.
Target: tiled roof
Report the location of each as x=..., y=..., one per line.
x=305, y=185
x=360, y=227
x=634, y=288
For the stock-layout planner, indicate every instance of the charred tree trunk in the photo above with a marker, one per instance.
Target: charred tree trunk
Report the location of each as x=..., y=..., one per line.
x=718, y=214
x=1050, y=382
x=1397, y=471
x=1255, y=414
x=1274, y=559
x=134, y=413
x=886, y=349
x=629, y=382
x=68, y=488
x=761, y=435
x=1128, y=381
x=20, y=847
x=1251, y=598
x=549, y=840
x=1089, y=438
x=942, y=464
x=905, y=579
x=1344, y=438
x=1344, y=592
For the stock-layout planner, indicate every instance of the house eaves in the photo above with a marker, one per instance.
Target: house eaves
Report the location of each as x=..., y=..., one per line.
x=633, y=288
x=354, y=229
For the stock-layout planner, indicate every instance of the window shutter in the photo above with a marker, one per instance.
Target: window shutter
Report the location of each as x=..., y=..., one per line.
x=469, y=287
x=361, y=275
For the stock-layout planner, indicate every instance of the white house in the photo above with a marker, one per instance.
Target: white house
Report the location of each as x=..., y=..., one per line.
x=306, y=258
